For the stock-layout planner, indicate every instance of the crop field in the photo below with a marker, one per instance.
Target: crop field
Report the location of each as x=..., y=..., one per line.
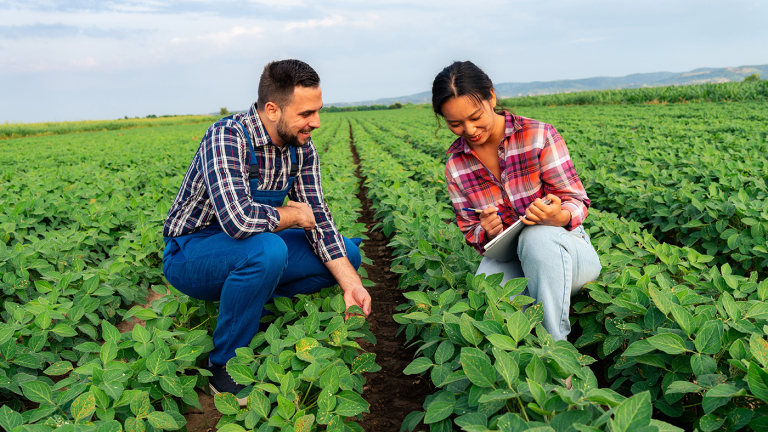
x=671, y=337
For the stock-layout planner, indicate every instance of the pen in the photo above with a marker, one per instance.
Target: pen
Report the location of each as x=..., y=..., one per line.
x=478, y=211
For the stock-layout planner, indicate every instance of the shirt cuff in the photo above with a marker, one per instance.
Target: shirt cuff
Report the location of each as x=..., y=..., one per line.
x=575, y=212
x=273, y=217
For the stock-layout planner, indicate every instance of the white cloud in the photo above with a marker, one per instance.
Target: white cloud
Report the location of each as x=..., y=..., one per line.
x=224, y=38
x=85, y=63
x=325, y=22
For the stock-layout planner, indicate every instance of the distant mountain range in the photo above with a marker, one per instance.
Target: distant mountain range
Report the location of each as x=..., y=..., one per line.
x=507, y=90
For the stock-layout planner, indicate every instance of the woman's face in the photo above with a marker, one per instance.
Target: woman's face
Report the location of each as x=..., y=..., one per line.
x=465, y=118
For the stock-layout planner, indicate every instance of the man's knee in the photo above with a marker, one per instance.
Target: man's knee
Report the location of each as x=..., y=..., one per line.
x=268, y=250
x=353, y=253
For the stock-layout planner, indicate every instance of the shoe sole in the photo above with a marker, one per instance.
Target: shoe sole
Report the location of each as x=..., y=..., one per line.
x=241, y=401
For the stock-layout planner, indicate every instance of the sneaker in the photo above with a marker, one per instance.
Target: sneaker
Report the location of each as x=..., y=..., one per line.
x=221, y=382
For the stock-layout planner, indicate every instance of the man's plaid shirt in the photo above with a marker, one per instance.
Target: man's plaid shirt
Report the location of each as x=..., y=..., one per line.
x=534, y=162
x=216, y=187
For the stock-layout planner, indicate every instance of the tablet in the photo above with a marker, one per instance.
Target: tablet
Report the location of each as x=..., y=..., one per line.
x=502, y=247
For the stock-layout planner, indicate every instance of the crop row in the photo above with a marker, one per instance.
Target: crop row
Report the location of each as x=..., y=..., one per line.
x=756, y=90
x=662, y=318
x=694, y=175
x=492, y=372
x=82, y=247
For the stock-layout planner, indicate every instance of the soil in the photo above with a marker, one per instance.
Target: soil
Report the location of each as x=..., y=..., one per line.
x=392, y=394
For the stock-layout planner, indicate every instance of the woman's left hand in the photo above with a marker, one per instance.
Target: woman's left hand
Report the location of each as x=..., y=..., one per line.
x=552, y=214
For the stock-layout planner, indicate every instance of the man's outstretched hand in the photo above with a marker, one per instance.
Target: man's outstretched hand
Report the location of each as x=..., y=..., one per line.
x=358, y=297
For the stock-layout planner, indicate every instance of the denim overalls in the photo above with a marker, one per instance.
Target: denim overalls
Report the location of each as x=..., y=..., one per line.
x=244, y=274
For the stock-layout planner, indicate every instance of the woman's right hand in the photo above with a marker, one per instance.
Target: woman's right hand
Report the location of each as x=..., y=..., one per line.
x=491, y=222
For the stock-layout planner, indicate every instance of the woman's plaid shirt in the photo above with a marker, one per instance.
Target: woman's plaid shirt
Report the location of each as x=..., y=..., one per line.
x=216, y=187
x=534, y=162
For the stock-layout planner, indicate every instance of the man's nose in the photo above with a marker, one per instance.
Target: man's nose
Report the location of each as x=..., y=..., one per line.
x=314, y=121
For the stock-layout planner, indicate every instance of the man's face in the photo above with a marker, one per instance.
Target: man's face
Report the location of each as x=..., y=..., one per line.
x=299, y=118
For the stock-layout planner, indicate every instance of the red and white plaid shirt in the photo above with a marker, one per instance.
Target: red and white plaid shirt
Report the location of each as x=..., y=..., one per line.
x=534, y=162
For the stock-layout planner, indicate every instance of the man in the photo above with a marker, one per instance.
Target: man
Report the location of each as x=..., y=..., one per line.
x=227, y=234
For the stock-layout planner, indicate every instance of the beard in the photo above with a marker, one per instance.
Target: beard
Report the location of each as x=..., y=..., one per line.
x=289, y=138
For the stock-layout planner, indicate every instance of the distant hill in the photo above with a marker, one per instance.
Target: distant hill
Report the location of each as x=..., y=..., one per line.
x=505, y=90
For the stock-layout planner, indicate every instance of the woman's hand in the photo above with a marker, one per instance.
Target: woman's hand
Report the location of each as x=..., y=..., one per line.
x=491, y=222
x=552, y=214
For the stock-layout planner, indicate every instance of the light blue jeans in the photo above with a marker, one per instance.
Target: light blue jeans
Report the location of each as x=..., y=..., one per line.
x=557, y=263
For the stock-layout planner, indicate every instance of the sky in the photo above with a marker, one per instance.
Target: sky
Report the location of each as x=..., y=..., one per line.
x=85, y=59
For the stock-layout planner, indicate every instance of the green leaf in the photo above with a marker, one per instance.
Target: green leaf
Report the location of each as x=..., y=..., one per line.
x=634, y=413
x=226, y=403
x=59, y=368
x=643, y=346
x=304, y=423
x=683, y=387
x=660, y=300
x=38, y=391
x=43, y=320
x=108, y=352
x=444, y=352
x=231, y=427
x=759, y=348
x=440, y=408
x=566, y=360
x=140, y=334
x=502, y=342
x=703, y=364
x=684, y=319
x=757, y=379
x=350, y=404
x=364, y=363
x=670, y=343
x=240, y=373
x=259, y=403
x=161, y=420
x=536, y=370
x=418, y=366
x=9, y=419
x=140, y=405
x=506, y=366
x=468, y=330
x=478, y=368
x=83, y=406
x=64, y=330
x=110, y=426
x=708, y=340
x=135, y=425
x=518, y=325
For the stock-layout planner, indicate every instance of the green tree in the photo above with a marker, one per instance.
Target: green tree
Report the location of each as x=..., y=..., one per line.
x=752, y=78
x=223, y=111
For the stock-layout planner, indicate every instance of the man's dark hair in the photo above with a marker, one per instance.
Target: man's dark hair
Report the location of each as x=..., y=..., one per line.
x=280, y=78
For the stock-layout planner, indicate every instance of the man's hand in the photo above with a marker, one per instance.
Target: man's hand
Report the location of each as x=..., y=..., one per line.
x=296, y=214
x=552, y=214
x=357, y=296
x=491, y=222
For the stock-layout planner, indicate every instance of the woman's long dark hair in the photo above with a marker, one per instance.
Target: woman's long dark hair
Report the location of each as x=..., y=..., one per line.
x=461, y=79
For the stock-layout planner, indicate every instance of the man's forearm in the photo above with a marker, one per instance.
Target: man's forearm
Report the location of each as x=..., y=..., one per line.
x=345, y=273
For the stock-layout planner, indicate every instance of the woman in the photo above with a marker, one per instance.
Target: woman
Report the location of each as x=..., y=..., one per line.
x=510, y=165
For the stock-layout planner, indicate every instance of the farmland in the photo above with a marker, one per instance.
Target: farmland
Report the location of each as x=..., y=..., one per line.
x=672, y=336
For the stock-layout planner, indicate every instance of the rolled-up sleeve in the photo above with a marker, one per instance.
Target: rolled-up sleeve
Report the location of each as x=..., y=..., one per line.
x=223, y=164
x=559, y=177
x=324, y=237
x=468, y=222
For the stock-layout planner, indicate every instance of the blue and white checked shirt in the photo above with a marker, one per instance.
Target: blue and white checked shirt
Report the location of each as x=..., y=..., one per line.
x=216, y=187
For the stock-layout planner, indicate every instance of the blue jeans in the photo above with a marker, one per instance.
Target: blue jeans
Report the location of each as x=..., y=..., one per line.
x=243, y=275
x=557, y=263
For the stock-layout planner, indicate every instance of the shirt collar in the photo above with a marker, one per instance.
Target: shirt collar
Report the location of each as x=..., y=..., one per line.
x=511, y=123
x=252, y=121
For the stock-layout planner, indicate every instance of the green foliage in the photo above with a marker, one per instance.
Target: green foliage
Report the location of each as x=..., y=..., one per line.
x=20, y=130
x=669, y=321
x=81, y=245
x=751, y=89
x=475, y=342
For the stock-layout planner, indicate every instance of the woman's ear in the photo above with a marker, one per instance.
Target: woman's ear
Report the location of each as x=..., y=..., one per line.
x=493, y=98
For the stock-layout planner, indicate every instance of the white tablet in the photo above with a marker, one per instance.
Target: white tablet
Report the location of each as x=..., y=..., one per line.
x=502, y=247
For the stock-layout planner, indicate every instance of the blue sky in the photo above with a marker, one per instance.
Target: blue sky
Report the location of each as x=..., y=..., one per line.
x=83, y=59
